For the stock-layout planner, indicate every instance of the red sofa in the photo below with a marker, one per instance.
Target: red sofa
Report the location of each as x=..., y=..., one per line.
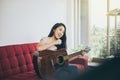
x=16, y=62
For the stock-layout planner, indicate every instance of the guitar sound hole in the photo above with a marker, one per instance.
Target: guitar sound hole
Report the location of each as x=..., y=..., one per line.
x=60, y=60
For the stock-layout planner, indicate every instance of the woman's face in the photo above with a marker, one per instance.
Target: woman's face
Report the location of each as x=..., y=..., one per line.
x=59, y=32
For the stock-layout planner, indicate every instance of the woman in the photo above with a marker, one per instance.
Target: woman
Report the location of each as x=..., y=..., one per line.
x=57, y=40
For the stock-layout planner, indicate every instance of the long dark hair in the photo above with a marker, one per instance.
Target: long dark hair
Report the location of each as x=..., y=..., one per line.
x=63, y=38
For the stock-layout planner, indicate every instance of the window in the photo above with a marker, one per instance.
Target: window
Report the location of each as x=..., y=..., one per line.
x=114, y=27
x=98, y=26
x=102, y=26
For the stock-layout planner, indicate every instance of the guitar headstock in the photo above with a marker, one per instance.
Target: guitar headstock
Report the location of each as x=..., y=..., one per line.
x=87, y=49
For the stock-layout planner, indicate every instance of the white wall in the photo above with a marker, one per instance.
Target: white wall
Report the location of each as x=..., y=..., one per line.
x=25, y=21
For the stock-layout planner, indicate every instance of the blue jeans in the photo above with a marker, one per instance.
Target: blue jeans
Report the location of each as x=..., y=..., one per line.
x=69, y=72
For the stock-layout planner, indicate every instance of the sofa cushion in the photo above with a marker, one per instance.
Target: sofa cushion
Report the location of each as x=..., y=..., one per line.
x=16, y=59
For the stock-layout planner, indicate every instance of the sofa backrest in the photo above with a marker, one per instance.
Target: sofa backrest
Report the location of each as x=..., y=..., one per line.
x=15, y=59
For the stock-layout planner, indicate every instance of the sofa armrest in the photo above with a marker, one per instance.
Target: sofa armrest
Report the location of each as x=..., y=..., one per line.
x=81, y=61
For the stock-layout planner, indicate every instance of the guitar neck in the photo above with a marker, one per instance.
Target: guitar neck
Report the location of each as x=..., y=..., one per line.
x=87, y=49
x=72, y=55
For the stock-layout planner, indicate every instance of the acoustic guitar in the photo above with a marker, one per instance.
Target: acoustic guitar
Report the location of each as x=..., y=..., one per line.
x=53, y=60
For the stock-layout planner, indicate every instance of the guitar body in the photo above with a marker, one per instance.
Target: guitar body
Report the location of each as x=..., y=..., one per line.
x=49, y=62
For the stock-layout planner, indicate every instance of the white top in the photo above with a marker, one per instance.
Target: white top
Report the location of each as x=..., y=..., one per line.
x=47, y=41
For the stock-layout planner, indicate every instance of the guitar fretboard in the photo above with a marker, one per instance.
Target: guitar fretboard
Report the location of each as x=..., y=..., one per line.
x=72, y=55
